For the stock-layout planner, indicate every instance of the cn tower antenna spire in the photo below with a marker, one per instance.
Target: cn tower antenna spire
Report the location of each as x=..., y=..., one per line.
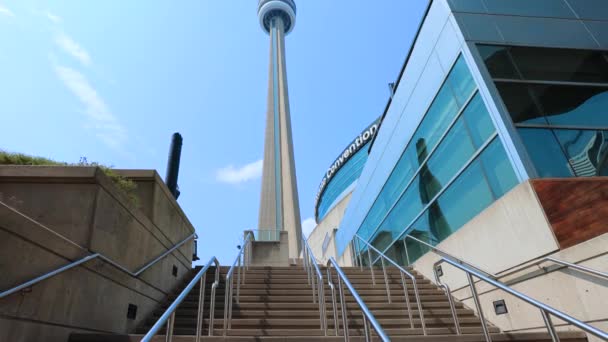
x=279, y=205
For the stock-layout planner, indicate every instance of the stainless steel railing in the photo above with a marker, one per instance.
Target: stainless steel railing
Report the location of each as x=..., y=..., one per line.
x=488, y=274
x=168, y=317
x=368, y=317
x=71, y=265
x=402, y=272
x=546, y=311
x=240, y=264
x=315, y=279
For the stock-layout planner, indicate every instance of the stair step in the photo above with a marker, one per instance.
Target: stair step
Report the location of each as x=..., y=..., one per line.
x=354, y=321
x=521, y=337
x=193, y=312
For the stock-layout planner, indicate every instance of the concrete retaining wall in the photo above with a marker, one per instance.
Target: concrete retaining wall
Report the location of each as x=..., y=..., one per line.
x=50, y=216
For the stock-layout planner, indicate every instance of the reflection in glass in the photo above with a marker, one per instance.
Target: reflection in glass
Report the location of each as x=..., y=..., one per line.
x=547, y=64
x=478, y=121
x=498, y=61
x=497, y=168
x=587, y=151
x=520, y=103
x=461, y=81
x=571, y=105
x=546, y=153
x=440, y=114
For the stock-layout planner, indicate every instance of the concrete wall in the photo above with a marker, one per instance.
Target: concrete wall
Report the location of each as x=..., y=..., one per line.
x=328, y=227
x=509, y=234
x=50, y=216
x=271, y=253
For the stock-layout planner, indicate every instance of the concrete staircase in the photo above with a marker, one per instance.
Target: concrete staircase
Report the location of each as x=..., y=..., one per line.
x=276, y=305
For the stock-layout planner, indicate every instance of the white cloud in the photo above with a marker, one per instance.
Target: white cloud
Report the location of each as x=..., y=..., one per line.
x=5, y=11
x=52, y=17
x=236, y=175
x=72, y=48
x=101, y=120
x=308, y=225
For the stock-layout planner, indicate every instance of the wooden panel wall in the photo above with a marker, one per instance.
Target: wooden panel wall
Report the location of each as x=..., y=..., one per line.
x=577, y=208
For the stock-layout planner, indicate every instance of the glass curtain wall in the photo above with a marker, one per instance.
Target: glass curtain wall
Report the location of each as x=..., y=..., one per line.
x=348, y=173
x=453, y=167
x=558, y=100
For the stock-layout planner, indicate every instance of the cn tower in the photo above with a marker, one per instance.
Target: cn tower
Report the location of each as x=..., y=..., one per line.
x=279, y=207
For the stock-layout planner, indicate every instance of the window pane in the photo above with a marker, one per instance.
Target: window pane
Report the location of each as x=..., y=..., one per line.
x=405, y=210
x=587, y=151
x=546, y=153
x=498, y=61
x=451, y=155
x=460, y=81
x=498, y=168
x=561, y=64
x=440, y=114
x=478, y=121
x=520, y=103
x=465, y=198
x=532, y=8
x=573, y=105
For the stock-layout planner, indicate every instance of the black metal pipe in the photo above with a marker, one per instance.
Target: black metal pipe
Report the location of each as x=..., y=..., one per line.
x=173, y=164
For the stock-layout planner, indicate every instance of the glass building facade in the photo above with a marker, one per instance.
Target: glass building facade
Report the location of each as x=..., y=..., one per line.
x=558, y=100
x=341, y=177
x=492, y=94
x=453, y=154
x=342, y=181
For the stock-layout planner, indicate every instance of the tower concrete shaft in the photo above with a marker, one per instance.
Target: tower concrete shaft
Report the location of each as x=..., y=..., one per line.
x=279, y=207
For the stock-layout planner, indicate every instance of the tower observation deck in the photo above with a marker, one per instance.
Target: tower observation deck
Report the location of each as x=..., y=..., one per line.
x=279, y=205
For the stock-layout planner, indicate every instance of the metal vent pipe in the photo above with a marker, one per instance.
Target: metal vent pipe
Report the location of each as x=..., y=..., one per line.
x=175, y=153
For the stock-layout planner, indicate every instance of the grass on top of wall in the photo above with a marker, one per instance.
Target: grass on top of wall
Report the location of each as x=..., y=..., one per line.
x=125, y=184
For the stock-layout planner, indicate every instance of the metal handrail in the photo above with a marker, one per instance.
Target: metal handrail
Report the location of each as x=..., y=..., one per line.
x=310, y=264
x=446, y=254
x=368, y=317
x=488, y=274
x=242, y=259
x=71, y=265
x=168, y=317
x=546, y=310
x=383, y=257
x=518, y=269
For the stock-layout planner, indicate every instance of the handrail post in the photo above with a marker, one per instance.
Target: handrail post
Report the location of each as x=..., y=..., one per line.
x=448, y=293
x=238, y=279
x=201, y=308
x=333, y=301
x=230, y=304
x=169, y=332
x=343, y=306
x=407, y=256
x=550, y=326
x=371, y=266
x=227, y=290
x=365, y=328
x=388, y=289
x=475, y=296
x=407, y=300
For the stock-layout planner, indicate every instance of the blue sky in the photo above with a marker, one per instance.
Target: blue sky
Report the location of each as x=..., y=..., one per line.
x=112, y=80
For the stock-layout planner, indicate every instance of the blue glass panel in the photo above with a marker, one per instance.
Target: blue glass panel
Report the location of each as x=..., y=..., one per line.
x=587, y=151
x=478, y=121
x=572, y=105
x=498, y=168
x=344, y=177
x=521, y=103
x=440, y=114
x=546, y=153
x=461, y=81
x=405, y=210
x=532, y=8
